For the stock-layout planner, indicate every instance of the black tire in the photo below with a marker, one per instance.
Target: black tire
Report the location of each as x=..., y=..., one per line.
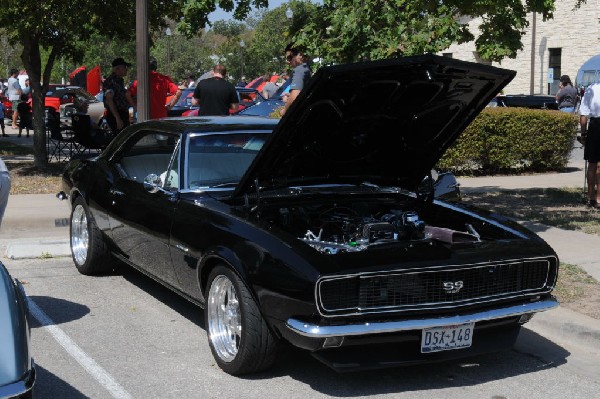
x=255, y=347
x=89, y=250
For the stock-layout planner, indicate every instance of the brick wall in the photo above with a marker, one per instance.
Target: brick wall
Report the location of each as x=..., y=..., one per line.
x=577, y=33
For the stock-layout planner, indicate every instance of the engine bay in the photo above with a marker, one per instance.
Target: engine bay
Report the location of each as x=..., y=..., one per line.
x=353, y=227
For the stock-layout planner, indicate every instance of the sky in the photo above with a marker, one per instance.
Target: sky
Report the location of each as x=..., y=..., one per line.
x=220, y=14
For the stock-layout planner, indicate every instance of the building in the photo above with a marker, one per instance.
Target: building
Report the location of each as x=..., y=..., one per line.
x=552, y=48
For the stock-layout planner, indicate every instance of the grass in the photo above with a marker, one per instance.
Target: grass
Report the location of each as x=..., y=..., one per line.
x=574, y=283
x=9, y=149
x=25, y=178
x=558, y=207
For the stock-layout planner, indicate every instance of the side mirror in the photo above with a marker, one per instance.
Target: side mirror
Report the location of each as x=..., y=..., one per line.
x=446, y=187
x=152, y=183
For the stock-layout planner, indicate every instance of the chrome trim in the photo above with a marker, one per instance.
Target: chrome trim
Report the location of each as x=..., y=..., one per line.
x=484, y=219
x=428, y=306
x=315, y=331
x=21, y=387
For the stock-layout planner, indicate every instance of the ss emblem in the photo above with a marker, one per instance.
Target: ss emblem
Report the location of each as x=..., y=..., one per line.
x=452, y=287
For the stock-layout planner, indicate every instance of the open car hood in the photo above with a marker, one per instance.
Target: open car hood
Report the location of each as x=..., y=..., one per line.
x=383, y=122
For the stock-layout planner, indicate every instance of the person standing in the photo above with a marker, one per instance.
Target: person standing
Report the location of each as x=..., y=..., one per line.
x=191, y=81
x=269, y=89
x=300, y=74
x=2, y=120
x=25, y=116
x=14, y=95
x=27, y=88
x=589, y=119
x=215, y=96
x=4, y=188
x=567, y=95
x=116, y=98
x=161, y=87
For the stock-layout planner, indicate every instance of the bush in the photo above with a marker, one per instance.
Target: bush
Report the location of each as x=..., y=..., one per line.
x=512, y=140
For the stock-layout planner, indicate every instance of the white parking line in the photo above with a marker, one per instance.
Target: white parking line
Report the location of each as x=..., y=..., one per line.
x=92, y=368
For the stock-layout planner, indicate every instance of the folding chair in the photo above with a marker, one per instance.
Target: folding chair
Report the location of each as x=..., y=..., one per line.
x=87, y=136
x=58, y=146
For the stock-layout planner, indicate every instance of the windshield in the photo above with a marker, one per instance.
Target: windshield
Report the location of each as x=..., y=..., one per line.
x=186, y=98
x=221, y=159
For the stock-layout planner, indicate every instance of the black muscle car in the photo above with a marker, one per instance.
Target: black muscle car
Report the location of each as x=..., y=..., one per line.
x=321, y=229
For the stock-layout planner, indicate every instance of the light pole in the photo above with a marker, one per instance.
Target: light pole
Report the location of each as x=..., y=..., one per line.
x=289, y=14
x=242, y=45
x=168, y=32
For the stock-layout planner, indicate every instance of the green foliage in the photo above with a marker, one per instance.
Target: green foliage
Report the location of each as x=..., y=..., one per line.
x=513, y=140
x=61, y=30
x=350, y=30
x=273, y=32
x=229, y=29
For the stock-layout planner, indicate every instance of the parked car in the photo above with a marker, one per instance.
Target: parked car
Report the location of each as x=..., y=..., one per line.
x=321, y=229
x=8, y=112
x=17, y=369
x=268, y=106
x=68, y=101
x=537, y=101
x=183, y=104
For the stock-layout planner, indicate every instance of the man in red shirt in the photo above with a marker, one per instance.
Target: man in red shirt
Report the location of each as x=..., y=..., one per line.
x=161, y=86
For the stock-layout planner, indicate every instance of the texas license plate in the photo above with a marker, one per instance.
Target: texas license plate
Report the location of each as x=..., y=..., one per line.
x=438, y=339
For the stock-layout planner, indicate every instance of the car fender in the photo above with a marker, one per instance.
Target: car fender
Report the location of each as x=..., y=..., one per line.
x=15, y=361
x=216, y=256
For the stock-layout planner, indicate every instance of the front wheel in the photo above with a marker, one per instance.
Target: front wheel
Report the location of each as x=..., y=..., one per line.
x=90, y=252
x=239, y=338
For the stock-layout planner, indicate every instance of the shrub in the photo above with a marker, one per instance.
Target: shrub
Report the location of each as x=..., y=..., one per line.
x=513, y=140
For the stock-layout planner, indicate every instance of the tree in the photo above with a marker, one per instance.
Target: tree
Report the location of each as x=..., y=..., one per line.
x=351, y=30
x=273, y=32
x=59, y=28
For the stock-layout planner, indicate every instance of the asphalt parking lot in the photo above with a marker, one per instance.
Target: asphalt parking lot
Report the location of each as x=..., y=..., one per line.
x=125, y=336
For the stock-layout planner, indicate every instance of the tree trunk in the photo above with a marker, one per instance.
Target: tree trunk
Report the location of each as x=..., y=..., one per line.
x=33, y=64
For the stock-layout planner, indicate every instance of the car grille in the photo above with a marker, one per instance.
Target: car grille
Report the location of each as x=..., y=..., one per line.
x=431, y=288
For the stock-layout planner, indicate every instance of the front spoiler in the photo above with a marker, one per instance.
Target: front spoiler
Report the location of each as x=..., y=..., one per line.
x=315, y=331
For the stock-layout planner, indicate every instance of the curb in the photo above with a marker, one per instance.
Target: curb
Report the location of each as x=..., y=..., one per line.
x=38, y=248
x=568, y=328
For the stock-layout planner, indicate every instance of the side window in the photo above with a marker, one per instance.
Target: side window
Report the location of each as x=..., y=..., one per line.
x=148, y=153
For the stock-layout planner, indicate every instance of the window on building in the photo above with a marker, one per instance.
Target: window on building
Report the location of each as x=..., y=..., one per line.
x=554, y=72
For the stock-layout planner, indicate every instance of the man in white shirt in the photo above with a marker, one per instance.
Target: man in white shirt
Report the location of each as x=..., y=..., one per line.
x=14, y=94
x=589, y=120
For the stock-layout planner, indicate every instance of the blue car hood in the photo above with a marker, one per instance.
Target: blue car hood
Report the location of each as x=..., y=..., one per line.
x=383, y=122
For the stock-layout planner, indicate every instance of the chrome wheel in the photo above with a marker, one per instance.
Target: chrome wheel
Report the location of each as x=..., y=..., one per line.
x=224, y=319
x=79, y=235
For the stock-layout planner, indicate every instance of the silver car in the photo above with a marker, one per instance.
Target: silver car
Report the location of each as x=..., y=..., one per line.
x=17, y=371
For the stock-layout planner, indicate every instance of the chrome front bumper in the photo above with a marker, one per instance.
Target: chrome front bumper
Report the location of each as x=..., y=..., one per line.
x=18, y=388
x=316, y=331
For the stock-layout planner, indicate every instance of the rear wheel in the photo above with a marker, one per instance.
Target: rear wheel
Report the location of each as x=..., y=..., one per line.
x=239, y=338
x=90, y=252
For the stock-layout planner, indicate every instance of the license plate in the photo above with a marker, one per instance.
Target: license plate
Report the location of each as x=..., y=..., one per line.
x=438, y=339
